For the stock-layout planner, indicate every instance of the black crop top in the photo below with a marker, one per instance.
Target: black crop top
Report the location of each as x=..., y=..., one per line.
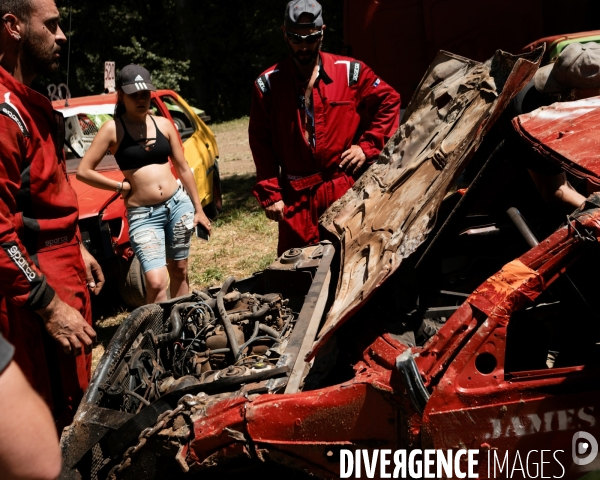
x=132, y=154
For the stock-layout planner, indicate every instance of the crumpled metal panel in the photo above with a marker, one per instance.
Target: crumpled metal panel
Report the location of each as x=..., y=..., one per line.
x=567, y=133
x=392, y=208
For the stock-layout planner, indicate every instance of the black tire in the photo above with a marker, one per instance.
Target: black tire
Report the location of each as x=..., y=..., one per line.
x=179, y=123
x=213, y=209
x=132, y=286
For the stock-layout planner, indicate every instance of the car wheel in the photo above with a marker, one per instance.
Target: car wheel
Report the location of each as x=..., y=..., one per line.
x=215, y=207
x=132, y=287
x=179, y=123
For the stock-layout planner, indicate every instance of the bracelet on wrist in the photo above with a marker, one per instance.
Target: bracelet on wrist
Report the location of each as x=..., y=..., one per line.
x=119, y=187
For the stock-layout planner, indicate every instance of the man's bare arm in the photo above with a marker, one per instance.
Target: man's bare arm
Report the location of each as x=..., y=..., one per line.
x=28, y=439
x=557, y=191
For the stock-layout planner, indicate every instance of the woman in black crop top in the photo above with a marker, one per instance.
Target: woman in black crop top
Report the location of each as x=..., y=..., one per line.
x=161, y=216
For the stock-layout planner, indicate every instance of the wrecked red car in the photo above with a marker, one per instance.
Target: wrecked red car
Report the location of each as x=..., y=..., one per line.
x=432, y=320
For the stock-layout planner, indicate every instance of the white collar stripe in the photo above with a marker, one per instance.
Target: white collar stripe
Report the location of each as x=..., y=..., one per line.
x=7, y=100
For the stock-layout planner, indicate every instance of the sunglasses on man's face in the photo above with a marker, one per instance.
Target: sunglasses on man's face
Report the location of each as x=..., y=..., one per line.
x=298, y=39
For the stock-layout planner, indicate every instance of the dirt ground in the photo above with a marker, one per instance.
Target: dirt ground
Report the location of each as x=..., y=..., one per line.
x=243, y=240
x=234, y=152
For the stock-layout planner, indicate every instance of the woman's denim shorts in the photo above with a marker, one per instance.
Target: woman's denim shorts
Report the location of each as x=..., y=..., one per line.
x=163, y=231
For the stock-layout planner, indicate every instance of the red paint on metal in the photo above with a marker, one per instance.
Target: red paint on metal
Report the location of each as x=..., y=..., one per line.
x=567, y=133
x=510, y=412
x=210, y=434
x=494, y=411
x=554, y=39
x=93, y=200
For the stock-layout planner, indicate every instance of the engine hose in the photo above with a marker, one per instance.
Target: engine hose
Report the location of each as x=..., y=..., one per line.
x=258, y=313
x=206, y=298
x=203, y=295
x=235, y=348
x=269, y=331
x=212, y=303
x=252, y=340
x=176, y=324
x=138, y=396
x=205, y=308
x=269, y=298
x=218, y=350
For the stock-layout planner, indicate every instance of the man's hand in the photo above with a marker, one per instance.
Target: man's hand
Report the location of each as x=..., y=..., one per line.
x=353, y=159
x=275, y=211
x=67, y=327
x=93, y=272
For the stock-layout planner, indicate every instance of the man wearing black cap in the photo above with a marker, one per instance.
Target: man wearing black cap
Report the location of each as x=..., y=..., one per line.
x=316, y=121
x=45, y=274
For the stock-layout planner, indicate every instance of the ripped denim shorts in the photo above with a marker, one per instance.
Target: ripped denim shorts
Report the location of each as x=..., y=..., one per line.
x=163, y=231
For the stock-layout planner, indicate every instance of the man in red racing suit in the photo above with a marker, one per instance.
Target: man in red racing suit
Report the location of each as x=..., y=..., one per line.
x=44, y=299
x=316, y=119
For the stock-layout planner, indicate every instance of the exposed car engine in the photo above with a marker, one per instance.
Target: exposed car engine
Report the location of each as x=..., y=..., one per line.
x=229, y=335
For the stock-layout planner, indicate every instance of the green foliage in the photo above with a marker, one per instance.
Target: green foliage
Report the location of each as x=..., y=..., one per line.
x=166, y=72
x=211, y=51
x=210, y=276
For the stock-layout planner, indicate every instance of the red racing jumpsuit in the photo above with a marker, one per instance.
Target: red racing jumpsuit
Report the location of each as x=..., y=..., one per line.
x=39, y=240
x=352, y=106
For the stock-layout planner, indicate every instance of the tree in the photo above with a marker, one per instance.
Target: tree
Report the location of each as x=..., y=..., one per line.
x=210, y=51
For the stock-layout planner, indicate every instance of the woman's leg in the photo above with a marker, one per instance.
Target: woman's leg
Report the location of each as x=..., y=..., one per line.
x=146, y=233
x=178, y=236
x=178, y=273
x=156, y=285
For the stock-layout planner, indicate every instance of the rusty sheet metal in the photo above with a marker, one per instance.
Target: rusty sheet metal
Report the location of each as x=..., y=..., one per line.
x=392, y=208
x=499, y=409
x=568, y=133
x=514, y=278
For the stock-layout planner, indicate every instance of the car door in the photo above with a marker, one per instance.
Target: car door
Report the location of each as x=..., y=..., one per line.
x=200, y=148
x=527, y=395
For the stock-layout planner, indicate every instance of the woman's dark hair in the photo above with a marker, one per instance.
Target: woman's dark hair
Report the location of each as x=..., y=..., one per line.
x=119, y=108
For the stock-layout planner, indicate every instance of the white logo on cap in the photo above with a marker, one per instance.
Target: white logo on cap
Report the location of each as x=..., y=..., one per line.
x=139, y=78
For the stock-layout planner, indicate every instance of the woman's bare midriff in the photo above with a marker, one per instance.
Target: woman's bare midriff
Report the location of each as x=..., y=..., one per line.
x=150, y=185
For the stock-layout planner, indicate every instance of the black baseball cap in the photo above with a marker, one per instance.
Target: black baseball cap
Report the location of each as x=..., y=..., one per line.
x=134, y=78
x=295, y=8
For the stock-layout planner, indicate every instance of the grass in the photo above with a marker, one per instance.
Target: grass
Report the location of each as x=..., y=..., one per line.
x=107, y=317
x=226, y=127
x=243, y=241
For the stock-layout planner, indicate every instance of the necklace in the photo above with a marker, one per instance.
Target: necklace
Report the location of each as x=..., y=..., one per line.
x=141, y=128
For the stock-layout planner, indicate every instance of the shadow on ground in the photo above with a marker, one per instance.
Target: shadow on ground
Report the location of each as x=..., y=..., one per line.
x=237, y=195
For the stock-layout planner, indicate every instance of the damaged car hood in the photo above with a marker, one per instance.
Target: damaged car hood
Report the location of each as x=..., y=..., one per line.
x=568, y=133
x=392, y=208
